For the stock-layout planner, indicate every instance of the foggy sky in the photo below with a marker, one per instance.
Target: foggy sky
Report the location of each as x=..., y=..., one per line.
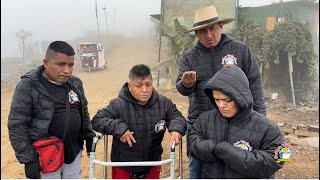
x=67, y=19
x=253, y=3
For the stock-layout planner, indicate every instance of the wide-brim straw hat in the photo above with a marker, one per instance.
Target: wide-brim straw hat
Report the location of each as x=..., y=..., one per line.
x=207, y=16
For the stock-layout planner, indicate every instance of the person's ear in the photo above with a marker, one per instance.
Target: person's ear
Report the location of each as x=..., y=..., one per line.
x=45, y=63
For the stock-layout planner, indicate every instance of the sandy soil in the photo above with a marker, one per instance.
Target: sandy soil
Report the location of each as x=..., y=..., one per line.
x=103, y=85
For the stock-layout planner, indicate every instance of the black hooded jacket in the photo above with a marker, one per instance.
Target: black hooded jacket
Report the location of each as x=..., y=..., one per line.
x=32, y=111
x=125, y=113
x=213, y=138
x=206, y=64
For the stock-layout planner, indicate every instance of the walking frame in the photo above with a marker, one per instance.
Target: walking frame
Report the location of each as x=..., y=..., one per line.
x=104, y=163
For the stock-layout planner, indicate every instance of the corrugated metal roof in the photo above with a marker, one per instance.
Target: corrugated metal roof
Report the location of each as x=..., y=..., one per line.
x=157, y=16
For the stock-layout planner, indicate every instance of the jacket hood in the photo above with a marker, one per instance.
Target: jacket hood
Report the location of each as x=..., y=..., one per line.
x=34, y=74
x=224, y=39
x=126, y=95
x=232, y=81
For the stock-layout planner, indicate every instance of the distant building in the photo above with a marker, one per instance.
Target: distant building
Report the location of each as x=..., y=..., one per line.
x=304, y=10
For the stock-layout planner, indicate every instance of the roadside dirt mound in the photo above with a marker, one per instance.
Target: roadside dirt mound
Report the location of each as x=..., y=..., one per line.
x=103, y=85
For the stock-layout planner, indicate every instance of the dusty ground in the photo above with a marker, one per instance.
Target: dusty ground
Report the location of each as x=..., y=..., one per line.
x=102, y=86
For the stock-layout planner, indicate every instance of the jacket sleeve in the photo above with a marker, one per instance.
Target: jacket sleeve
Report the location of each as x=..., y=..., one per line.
x=183, y=67
x=88, y=131
x=258, y=163
x=107, y=121
x=19, y=120
x=251, y=69
x=176, y=122
x=201, y=147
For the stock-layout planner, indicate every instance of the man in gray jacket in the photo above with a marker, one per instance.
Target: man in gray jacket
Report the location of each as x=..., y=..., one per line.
x=39, y=110
x=233, y=140
x=137, y=119
x=213, y=50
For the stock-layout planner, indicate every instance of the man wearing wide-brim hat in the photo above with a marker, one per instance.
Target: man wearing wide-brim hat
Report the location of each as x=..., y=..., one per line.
x=213, y=51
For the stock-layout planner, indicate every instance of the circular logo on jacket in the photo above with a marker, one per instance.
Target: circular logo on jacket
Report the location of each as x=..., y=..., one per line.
x=229, y=60
x=285, y=153
x=243, y=145
x=73, y=97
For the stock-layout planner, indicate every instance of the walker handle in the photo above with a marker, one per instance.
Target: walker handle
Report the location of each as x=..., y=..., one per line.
x=95, y=141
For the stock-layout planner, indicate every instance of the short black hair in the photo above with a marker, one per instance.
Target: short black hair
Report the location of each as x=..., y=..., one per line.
x=140, y=71
x=59, y=47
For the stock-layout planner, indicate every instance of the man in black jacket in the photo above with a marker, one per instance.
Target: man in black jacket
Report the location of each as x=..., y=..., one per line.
x=233, y=140
x=39, y=110
x=199, y=64
x=137, y=119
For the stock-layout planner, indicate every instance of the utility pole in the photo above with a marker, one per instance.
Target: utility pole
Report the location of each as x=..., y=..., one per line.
x=159, y=50
x=105, y=15
x=97, y=20
x=22, y=35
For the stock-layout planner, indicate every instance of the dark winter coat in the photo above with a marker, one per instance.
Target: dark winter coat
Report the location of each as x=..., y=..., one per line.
x=124, y=113
x=32, y=111
x=206, y=64
x=213, y=138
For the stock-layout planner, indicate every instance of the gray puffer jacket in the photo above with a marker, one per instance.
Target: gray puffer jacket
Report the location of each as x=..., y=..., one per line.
x=216, y=140
x=31, y=113
x=207, y=64
x=125, y=113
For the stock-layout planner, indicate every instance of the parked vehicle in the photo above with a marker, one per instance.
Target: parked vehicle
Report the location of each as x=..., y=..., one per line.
x=92, y=56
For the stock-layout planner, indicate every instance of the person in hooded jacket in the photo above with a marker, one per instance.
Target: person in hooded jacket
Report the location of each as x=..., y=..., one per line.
x=233, y=140
x=137, y=119
x=213, y=49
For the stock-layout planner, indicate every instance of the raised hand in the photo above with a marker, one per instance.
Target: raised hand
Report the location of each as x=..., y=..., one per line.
x=189, y=78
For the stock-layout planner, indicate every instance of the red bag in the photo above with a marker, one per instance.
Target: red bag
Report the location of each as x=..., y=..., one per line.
x=51, y=153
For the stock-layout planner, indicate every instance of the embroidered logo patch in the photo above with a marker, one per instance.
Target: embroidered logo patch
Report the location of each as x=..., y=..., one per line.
x=229, y=60
x=73, y=97
x=285, y=153
x=243, y=145
x=160, y=126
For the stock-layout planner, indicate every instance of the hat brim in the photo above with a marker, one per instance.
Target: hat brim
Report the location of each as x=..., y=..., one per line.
x=223, y=21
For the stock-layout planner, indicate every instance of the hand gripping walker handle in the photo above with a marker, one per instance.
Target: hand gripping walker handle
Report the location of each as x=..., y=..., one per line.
x=95, y=141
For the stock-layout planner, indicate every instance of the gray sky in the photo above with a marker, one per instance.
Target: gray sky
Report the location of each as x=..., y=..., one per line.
x=253, y=3
x=68, y=19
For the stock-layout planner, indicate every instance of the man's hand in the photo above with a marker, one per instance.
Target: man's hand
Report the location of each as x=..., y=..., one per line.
x=89, y=143
x=175, y=136
x=127, y=137
x=33, y=169
x=189, y=78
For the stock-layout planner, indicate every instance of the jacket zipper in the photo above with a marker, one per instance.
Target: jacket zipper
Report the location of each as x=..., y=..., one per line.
x=212, y=62
x=145, y=151
x=81, y=108
x=225, y=139
x=50, y=145
x=45, y=92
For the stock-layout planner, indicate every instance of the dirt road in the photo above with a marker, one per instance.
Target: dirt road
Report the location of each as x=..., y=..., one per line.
x=102, y=86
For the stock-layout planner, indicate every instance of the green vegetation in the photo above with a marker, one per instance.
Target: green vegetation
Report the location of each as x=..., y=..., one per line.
x=180, y=40
x=295, y=37
x=272, y=48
